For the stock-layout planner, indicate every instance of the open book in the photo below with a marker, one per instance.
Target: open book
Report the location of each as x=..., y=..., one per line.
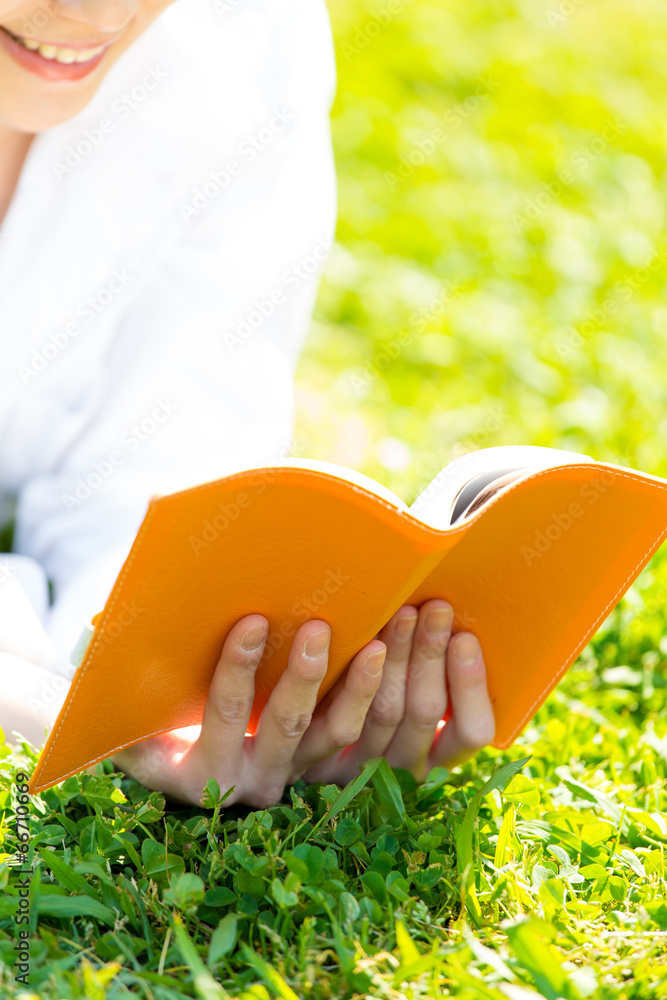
x=532, y=547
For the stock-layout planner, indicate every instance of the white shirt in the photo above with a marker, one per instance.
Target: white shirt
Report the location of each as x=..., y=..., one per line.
x=158, y=266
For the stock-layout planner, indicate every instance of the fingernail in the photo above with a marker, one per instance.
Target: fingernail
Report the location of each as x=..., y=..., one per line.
x=254, y=637
x=374, y=663
x=405, y=626
x=317, y=643
x=467, y=650
x=438, y=620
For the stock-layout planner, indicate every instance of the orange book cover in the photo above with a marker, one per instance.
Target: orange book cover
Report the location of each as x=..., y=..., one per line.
x=532, y=574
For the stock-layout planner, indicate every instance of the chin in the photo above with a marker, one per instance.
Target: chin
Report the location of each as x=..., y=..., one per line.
x=41, y=111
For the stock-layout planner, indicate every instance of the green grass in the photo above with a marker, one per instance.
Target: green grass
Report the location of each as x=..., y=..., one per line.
x=554, y=886
x=508, y=288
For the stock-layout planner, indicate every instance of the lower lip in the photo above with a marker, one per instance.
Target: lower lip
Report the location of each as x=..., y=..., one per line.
x=48, y=69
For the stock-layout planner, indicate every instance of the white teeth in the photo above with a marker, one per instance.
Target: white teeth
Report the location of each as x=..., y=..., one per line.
x=85, y=54
x=61, y=55
x=65, y=55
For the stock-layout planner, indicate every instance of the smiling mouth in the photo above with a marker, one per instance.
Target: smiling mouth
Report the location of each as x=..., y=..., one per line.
x=55, y=53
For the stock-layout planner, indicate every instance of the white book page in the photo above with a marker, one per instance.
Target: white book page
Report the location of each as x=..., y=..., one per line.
x=349, y=475
x=435, y=503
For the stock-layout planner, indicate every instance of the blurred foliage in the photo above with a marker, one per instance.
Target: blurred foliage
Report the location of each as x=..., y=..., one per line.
x=501, y=265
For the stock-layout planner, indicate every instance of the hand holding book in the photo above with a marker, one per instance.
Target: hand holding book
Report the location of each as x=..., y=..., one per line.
x=430, y=675
x=370, y=712
x=532, y=547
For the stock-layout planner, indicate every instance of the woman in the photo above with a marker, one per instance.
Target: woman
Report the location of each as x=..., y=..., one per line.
x=166, y=184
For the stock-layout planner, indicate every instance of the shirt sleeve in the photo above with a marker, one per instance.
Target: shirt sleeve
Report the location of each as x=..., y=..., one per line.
x=197, y=382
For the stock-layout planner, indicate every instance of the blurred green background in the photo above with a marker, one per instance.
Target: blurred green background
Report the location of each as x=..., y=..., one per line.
x=500, y=270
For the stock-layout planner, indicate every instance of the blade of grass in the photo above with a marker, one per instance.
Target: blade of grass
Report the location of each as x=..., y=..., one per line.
x=268, y=974
x=348, y=793
x=464, y=837
x=389, y=791
x=204, y=983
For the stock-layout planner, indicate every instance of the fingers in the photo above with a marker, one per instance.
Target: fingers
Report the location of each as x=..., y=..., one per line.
x=220, y=743
x=342, y=722
x=290, y=708
x=426, y=693
x=472, y=725
x=386, y=709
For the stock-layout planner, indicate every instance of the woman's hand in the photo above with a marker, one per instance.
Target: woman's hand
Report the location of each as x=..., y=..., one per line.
x=260, y=766
x=403, y=723
x=370, y=712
